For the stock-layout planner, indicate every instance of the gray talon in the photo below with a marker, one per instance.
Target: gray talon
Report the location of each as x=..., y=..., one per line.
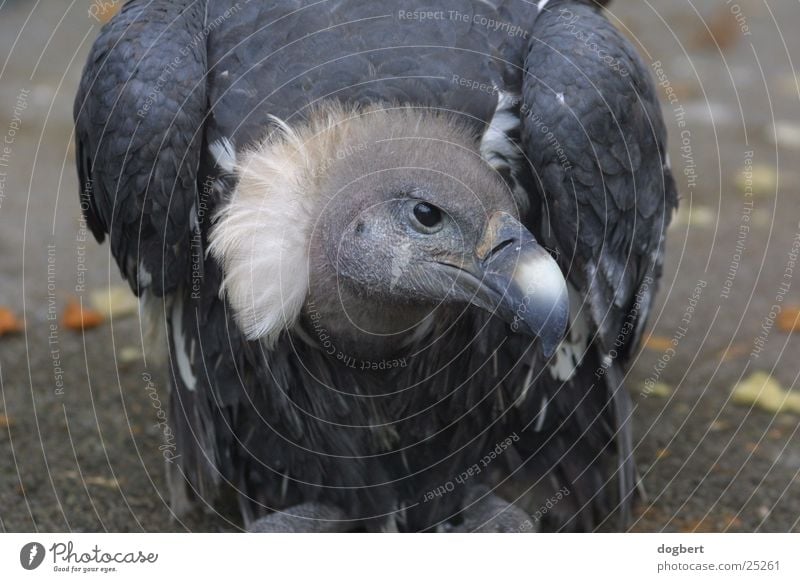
x=485, y=512
x=304, y=518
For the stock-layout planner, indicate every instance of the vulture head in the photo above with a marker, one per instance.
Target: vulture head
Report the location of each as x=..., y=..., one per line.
x=370, y=223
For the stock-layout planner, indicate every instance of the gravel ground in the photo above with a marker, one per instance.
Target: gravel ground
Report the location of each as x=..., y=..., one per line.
x=78, y=436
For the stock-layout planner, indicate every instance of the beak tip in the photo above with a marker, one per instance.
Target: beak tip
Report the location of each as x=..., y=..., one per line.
x=550, y=340
x=523, y=282
x=548, y=349
x=551, y=332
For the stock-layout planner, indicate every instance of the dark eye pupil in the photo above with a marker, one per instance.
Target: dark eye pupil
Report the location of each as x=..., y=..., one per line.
x=428, y=216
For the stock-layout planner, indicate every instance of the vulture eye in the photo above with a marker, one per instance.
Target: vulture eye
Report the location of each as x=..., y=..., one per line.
x=428, y=216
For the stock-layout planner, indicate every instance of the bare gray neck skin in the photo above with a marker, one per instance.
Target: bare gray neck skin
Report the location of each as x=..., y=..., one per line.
x=352, y=326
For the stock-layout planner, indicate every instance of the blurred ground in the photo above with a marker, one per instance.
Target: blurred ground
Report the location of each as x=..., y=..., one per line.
x=78, y=436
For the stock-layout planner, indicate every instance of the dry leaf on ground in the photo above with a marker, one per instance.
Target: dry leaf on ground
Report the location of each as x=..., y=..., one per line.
x=722, y=32
x=104, y=10
x=761, y=180
x=116, y=301
x=102, y=482
x=697, y=216
x=734, y=352
x=658, y=343
x=9, y=323
x=76, y=319
x=763, y=391
x=99, y=480
x=130, y=354
x=660, y=390
x=789, y=319
x=784, y=133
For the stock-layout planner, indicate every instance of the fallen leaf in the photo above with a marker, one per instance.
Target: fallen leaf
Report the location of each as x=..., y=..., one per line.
x=784, y=133
x=659, y=389
x=761, y=217
x=116, y=301
x=5, y=421
x=641, y=511
x=734, y=352
x=721, y=32
x=98, y=480
x=719, y=425
x=709, y=524
x=710, y=112
x=104, y=10
x=760, y=180
x=734, y=522
x=650, y=516
x=9, y=324
x=775, y=434
x=112, y=483
x=763, y=391
x=703, y=525
x=657, y=343
x=75, y=318
x=685, y=89
x=699, y=216
x=789, y=319
x=663, y=453
x=789, y=84
x=130, y=354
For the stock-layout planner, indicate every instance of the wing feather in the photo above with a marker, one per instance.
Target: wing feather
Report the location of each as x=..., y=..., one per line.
x=139, y=116
x=607, y=195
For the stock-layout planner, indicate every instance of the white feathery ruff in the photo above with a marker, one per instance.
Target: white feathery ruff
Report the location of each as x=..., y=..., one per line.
x=261, y=236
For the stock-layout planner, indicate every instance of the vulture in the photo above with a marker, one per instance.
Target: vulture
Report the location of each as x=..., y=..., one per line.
x=400, y=253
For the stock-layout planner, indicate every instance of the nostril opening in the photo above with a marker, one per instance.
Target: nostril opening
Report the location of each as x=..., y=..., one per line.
x=497, y=248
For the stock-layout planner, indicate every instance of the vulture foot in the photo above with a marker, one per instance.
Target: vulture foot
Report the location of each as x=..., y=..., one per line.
x=485, y=512
x=303, y=518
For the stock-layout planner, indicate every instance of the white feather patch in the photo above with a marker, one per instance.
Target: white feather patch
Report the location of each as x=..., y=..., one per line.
x=179, y=343
x=144, y=276
x=572, y=349
x=542, y=415
x=497, y=147
x=261, y=237
x=224, y=154
x=495, y=140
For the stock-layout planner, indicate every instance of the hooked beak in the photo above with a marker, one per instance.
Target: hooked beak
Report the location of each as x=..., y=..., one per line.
x=512, y=276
